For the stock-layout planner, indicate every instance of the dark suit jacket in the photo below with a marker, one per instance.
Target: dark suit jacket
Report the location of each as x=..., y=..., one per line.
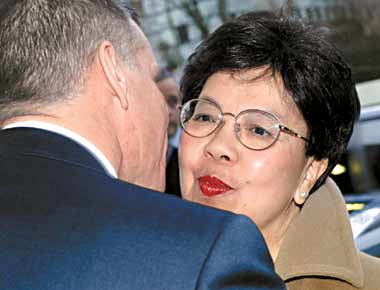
x=65, y=224
x=172, y=175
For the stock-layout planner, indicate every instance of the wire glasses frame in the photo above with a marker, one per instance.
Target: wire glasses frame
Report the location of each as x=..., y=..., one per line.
x=264, y=128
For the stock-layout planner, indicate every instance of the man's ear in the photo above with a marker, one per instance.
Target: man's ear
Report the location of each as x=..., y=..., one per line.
x=113, y=71
x=314, y=169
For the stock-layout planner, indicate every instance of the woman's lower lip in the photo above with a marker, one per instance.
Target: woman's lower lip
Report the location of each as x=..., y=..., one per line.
x=212, y=186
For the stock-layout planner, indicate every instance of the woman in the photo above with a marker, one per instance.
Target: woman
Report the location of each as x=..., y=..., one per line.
x=269, y=107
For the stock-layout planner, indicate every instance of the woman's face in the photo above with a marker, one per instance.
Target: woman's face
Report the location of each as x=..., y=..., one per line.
x=259, y=184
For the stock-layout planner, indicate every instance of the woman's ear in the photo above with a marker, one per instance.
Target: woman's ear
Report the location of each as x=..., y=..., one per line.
x=112, y=68
x=314, y=169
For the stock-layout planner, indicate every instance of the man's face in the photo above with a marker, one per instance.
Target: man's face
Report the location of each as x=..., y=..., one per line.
x=145, y=139
x=169, y=89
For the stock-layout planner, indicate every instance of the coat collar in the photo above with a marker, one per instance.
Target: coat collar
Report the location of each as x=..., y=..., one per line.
x=319, y=242
x=54, y=128
x=48, y=144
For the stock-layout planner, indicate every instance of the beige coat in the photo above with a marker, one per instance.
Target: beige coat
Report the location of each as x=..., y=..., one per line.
x=318, y=250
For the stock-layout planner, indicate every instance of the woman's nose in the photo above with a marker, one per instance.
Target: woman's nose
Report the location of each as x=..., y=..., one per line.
x=222, y=144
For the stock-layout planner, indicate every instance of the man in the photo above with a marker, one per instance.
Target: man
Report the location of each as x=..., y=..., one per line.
x=80, y=108
x=169, y=88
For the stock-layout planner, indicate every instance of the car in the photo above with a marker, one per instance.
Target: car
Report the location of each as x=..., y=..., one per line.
x=366, y=228
x=358, y=172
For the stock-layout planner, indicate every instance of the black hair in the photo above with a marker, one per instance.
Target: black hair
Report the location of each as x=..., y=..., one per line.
x=313, y=70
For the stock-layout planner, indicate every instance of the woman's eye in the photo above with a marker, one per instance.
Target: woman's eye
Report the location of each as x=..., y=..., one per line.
x=203, y=118
x=259, y=131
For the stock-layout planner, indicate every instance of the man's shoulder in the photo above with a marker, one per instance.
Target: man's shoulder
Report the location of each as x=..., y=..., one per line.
x=129, y=229
x=168, y=208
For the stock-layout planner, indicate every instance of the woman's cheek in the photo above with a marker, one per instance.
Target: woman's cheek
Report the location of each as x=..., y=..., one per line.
x=259, y=165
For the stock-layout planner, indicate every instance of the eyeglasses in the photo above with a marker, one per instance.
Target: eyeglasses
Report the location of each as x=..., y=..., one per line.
x=255, y=129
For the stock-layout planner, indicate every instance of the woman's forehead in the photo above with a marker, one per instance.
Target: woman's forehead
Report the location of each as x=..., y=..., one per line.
x=251, y=89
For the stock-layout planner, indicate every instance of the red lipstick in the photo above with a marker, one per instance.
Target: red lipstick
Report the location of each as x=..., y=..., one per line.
x=211, y=186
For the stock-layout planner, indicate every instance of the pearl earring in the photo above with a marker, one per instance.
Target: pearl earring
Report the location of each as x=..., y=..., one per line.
x=303, y=194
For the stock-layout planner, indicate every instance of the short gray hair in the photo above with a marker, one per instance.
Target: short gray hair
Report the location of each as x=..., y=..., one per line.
x=46, y=47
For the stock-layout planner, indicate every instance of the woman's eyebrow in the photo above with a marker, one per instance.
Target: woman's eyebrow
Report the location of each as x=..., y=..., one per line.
x=206, y=97
x=280, y=117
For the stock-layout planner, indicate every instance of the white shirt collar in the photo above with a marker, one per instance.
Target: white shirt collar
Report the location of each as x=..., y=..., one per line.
x=71, y=135
x=174, y=141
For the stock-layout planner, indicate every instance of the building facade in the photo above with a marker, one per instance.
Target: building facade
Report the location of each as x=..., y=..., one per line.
x=175, y=27
x=174, y=34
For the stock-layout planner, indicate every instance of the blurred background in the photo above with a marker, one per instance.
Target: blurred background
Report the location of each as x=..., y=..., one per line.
x=175, y=27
